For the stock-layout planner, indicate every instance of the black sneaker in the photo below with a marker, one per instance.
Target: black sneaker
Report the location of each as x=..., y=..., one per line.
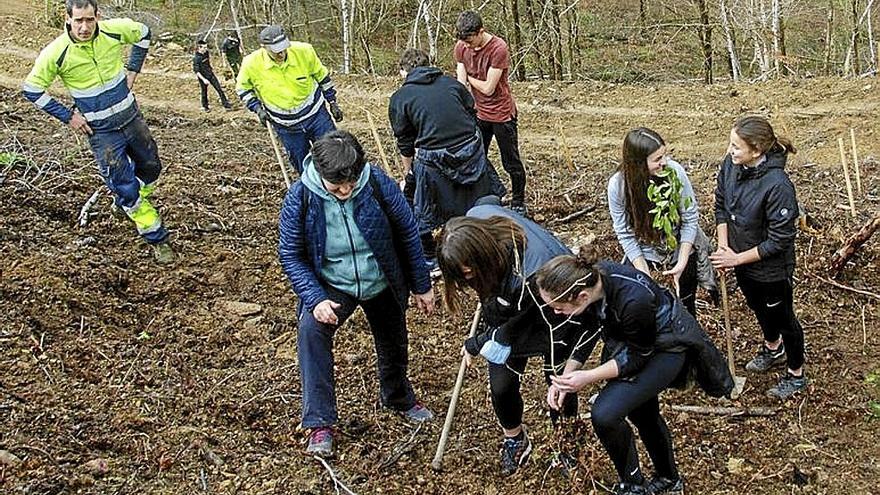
x=630, y=489
x=766, y=359
x=519, y=208
x=515, y=452
x=659, y=485
x=788, y=385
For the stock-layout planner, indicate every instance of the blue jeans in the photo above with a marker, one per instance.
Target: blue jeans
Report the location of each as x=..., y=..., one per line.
x=128, y=159
x=315, y=353
x=298, y=139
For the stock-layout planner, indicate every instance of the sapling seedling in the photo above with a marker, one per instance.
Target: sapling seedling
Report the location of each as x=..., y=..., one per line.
x=666, y=197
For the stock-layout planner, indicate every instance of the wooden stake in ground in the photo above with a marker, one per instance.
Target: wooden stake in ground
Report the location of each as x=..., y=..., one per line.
x=453, y=402
x=849, y=191
x=278, y=153
x=739, y=382
x=855, y=153
x=378, y=141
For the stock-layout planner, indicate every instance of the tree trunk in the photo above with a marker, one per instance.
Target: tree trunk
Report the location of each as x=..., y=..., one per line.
x=732, y=58
x=432, y=42
x=237, y=25
x=518, y=51
x=704, y=32
x=346, y=35
x=556, y=40
x=643, y=17
x=307, y=20
x=871, y=45
x=829, y=40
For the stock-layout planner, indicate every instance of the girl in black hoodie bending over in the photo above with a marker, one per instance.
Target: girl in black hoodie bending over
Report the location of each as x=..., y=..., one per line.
x=756, y=212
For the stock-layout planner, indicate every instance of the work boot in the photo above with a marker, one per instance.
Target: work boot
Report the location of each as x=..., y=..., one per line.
x=660, y=485
x=162, y=253
x=321, y=442
x=418, y=413
x=117, y=212
x=515, y=452
x=788, y=385
x=228, y=107
x=766, y=359
x=625, y=488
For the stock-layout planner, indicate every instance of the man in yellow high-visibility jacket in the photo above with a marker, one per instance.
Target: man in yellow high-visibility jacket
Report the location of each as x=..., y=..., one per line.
x=286, y=84
x=88, y=59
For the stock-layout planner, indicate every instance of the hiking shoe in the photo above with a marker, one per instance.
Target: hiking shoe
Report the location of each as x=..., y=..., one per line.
x=788, y=385
x=321, y=442
x=117, y=212
x=206, y=109
x=228, y=107
x=630, y=489
x=766, y=359
x=519, y=208
x=515, y=452
x=659, y=485
x=162, y=253
x=418, y=413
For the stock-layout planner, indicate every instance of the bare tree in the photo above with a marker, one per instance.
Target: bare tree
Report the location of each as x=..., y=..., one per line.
x=704, y=32
x=730, y=35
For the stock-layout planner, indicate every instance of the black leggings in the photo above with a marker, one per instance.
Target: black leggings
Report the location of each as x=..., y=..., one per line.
x=504, y=384
x=773, y=304
x=635, y=397
x=687, y=283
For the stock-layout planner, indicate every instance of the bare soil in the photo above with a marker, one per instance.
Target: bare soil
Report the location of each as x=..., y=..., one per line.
x=104, y=355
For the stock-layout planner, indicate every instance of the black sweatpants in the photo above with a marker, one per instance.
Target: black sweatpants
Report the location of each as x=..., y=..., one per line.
x=216, y=84
x=508, y=145
x=635, y=397
x=504, y=385
x=773, y=305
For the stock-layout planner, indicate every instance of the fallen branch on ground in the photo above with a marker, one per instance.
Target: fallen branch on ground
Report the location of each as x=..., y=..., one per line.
x=400, y=450
x=849, y=248
x=575, y=215
x=851, y=289
x=726, y=411
x=336, y=483
x=84, y=212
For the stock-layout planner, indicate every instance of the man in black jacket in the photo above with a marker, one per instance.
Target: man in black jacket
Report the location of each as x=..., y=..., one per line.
x=203, y=70
x=434, y=121
x=231, y=47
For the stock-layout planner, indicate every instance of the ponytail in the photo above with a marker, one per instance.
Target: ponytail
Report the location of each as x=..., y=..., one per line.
x=565, y=276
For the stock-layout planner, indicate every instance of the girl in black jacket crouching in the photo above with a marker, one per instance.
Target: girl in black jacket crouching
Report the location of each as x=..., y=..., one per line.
x=756, y=213
x=651, y=342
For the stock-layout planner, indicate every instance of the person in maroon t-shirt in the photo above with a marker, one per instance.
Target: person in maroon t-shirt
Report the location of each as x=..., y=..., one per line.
x=483, y=62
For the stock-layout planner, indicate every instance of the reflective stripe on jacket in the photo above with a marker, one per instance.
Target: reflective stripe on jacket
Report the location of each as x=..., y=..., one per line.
x=93, y=73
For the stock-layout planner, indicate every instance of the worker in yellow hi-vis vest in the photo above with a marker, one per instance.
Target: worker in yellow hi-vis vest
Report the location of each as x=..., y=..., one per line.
x=88, y=59
x=286, y=84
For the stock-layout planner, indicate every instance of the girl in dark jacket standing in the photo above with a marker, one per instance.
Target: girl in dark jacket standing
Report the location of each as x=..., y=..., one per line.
x=650, y=341
x=495, y=252
x=756, y=214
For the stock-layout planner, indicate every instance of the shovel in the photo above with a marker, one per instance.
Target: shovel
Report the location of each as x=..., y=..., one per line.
x=453, y=402
x=738, y=381
x=278, y=154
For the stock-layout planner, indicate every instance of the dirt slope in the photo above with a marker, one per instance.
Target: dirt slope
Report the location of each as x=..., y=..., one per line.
x=104, y=355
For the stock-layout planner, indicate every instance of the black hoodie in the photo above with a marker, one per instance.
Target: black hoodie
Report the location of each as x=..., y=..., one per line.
x=760, y=209
x=431, y=111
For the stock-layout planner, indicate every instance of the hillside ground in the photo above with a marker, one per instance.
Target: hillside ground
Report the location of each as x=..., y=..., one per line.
x=158, y=371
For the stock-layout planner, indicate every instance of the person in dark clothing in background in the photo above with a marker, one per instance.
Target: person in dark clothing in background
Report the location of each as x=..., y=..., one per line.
x=756, y=214
x=231, y=48
x=495, y=251
x=650, y=340
x=434, y=122
x=205, y=74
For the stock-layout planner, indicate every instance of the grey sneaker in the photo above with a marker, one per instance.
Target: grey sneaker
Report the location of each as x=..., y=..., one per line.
x=766, y=359
x=418, y=413
x=162, y=253
x=660, y=485
x=321, y=442
x=788, y=385
x=514, y=453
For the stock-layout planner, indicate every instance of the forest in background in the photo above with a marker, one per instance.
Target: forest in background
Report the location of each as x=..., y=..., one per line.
x=627, y=41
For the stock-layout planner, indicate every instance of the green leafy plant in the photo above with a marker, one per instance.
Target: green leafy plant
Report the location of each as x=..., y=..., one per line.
x=666, y=196
x=873, y=379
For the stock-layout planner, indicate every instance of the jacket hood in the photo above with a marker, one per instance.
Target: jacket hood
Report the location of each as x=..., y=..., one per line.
x=312, y=180
x=772, y=160
x=423, y=75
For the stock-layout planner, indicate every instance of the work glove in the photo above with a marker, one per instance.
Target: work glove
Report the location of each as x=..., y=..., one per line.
x=261, y=114
x=336, y=112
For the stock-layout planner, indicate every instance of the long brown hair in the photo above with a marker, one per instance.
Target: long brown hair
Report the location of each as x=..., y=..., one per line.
x=489, y=247
x=757, y=132
x=638, y=145
x=565, y=276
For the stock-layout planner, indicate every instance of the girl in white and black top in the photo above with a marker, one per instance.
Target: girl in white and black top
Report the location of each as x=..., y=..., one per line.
x=646, y=248
x=756, y=214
